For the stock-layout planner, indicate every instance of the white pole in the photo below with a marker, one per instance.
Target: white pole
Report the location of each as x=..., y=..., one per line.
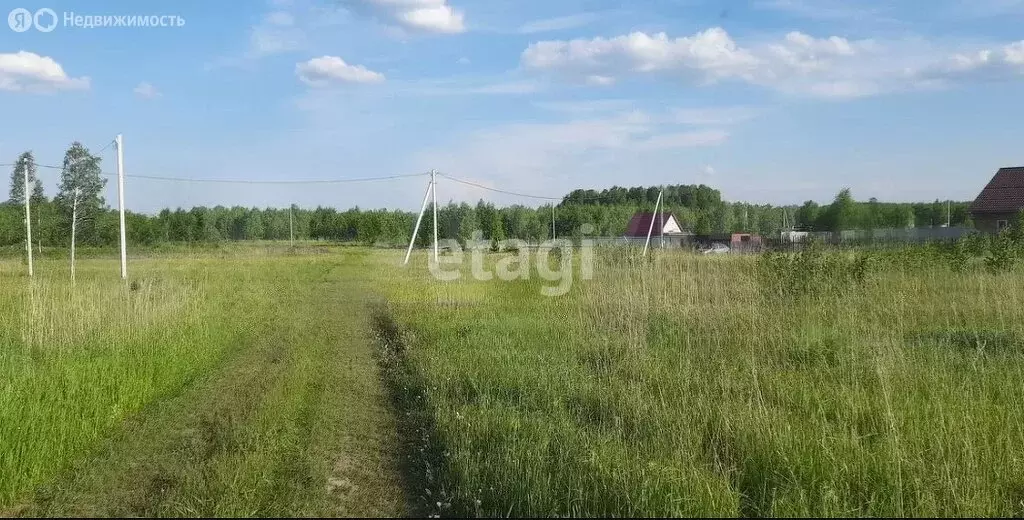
x=433, y=195
x=553, y=221
x=120, y=204
x=28, y=217
x=651, y=229
x=662, y=215
x=415, y=230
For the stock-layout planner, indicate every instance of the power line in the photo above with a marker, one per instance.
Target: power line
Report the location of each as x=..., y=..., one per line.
x=244, y=181
x=527, y=195
x=111, y=143
x=481, y=186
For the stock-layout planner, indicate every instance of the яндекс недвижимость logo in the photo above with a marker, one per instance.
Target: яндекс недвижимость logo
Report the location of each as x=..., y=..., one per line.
x=45, y=20
x=21, y=19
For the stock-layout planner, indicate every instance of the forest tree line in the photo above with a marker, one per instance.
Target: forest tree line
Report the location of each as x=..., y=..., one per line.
x=699, y=208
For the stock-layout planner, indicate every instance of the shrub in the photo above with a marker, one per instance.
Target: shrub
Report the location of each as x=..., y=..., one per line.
x=976, y=244
x=812, y=272
x=959, y=256
x=1002, y=254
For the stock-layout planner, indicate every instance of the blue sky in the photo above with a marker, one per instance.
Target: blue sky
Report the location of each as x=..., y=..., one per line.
x=768, y=100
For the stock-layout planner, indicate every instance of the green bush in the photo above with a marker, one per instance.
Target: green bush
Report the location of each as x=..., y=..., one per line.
x=1002, y=253
x=812, y=272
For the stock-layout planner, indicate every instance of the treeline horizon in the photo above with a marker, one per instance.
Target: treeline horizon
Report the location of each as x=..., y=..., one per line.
x=699, y=208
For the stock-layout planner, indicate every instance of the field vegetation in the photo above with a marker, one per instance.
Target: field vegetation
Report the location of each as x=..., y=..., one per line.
x=230, y=382
x=258, y=379
x=818, y=383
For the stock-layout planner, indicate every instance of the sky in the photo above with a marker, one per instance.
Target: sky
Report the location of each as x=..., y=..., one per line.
x=770, y=101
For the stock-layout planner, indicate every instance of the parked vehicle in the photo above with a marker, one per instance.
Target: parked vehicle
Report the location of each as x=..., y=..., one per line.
x=716, y=249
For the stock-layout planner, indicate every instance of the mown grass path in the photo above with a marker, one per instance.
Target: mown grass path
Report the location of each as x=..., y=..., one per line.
x=293, y=424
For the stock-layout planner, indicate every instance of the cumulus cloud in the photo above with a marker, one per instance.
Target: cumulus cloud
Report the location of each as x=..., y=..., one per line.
x=998, y=63
x=146, y=90
x=707, y=54
x=832, y=67
x=25, y=71
x=330, y=70
x=435, y=16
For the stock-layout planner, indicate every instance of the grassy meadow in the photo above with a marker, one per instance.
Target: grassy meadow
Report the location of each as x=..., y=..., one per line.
x=688, y=386
x=234, y=382
x=262, y=380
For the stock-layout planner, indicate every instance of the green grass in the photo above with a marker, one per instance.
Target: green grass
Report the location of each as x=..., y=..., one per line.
x=242, y=381
x=677, y=388
x=235, y=383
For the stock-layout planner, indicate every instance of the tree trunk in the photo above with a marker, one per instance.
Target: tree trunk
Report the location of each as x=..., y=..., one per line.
x=74, y=222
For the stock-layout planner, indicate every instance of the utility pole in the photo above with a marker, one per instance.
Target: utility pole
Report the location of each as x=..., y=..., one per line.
x=119, y=144
x=553, y=221
x=419, y=219
x=433, y=195
x=28, y=218
x=662, y=215
x=651, y=228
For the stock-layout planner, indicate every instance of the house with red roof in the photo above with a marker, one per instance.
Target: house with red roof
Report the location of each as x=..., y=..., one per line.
x=998, y=205
x=665, y=224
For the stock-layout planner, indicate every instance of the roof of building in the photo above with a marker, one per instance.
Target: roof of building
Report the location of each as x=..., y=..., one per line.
x=640, y=224
x=1003, y=194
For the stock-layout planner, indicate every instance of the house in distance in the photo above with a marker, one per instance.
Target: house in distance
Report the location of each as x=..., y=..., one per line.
x=671, y=230
x=998, y=204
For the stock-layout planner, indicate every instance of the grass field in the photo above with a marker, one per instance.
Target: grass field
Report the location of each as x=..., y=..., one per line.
x=248, y=381
x=229, y=383
x=680, y=388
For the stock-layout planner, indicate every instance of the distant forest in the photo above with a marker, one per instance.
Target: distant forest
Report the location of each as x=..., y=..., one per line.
x=699, y=208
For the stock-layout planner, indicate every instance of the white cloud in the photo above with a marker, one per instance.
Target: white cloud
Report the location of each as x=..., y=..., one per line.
x=434, y=16
x=560, y=23
x=328, y=70
x=25, y=71
x=832, y=67
x=146, y=90
x=709, y=54
x=998, y=63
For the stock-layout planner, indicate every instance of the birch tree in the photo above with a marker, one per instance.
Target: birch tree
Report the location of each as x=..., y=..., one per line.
x=80, y=193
